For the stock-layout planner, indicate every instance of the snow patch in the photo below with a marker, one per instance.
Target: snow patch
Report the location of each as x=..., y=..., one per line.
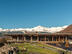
x=38, y=29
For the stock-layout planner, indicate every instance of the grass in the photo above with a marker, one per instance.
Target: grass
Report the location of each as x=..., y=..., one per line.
x=36, y=48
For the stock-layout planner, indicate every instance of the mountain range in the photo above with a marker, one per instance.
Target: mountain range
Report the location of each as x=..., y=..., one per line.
x=37, y=29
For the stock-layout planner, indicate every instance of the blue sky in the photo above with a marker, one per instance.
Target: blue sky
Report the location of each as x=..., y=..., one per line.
x=30, y=13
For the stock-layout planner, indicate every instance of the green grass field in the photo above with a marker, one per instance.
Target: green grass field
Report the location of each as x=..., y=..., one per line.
x=36, y=48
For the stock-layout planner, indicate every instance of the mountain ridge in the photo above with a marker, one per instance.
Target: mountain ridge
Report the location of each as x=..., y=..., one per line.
x=38, y=29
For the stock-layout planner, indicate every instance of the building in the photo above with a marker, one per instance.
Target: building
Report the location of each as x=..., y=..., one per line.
x=64, y=36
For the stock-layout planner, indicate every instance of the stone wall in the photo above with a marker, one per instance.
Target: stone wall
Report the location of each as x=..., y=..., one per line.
x=5, y=49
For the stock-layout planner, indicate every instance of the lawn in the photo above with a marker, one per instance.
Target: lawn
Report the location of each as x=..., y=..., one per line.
x=36, y=48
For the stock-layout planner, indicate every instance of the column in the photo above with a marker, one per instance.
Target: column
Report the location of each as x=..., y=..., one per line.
x=56, y=39
x=37, y=38
x=45, y=39
x=59, y=38
x=31, y=39
x=17, y=38
x=48, y=38
x=63, y=38
x=66, y=38
x=11, y=37
x=67, y=42
x=24, y=38
x=52, y=38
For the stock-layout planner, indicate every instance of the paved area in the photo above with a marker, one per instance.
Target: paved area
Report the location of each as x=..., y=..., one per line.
x=4, y=49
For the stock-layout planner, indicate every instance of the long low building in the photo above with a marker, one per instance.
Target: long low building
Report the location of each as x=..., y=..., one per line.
x=64, y=36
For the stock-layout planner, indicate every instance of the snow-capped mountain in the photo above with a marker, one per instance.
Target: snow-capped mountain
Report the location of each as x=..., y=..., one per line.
x=57, y=29
x=40, y=28
x=37, y=29
x=47, y=29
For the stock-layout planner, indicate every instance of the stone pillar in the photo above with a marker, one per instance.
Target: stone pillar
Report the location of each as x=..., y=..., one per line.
x=48, y=38
x=66, y=38
x=11, y=37
x=37, y=38
x=17, y=38
x=63, y=38
x=45, y=39
x=31, y=38
x=67, y=42
x=52, y=38
x=59, y=38
x=24, y=38
x=56, y=39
